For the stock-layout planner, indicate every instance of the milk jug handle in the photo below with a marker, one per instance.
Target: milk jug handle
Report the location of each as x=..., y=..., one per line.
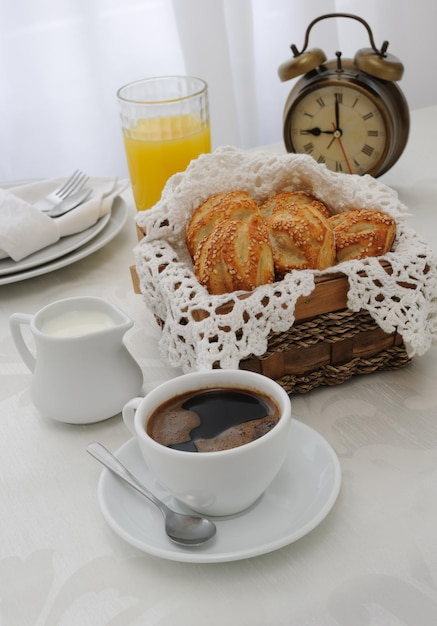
x=15, y=322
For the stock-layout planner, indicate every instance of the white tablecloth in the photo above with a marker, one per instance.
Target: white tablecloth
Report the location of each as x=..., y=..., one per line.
x=371, y=562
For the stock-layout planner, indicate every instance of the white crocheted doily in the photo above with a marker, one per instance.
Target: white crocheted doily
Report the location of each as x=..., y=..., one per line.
x=195, y=336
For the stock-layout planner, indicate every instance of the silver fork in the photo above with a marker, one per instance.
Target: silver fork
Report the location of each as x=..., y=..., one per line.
x=73, y=184
x=72, y=202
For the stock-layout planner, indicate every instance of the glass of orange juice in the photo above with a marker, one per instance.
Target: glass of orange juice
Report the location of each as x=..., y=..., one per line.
x=165, y=122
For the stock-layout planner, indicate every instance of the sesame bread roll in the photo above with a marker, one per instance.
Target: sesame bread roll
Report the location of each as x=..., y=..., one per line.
x=285, y=198
x=234, y=204
x=362, y=233
x=236, y=255
x=301, y=238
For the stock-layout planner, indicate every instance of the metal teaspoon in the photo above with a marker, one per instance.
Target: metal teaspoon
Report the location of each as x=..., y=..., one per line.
x=186, y=530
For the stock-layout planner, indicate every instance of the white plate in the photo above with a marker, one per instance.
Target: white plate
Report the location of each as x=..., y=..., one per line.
x=115, y=222
x=297, y=501
x=55, y=251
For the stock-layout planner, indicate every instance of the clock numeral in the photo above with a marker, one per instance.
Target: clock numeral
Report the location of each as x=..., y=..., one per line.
x=372, y=133
x=321, y=159
x=339, y=97
x=338, y=166
x=320, y=102
x=355, y=103
x=308, y=114
x=367, y=116
x=368, y=150
x=309, y=147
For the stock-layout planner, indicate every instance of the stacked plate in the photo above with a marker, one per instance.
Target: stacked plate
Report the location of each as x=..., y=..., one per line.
x=68, y=249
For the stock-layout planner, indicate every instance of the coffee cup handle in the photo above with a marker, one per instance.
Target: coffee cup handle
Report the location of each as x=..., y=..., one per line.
x=128, y=413
x=15, y=322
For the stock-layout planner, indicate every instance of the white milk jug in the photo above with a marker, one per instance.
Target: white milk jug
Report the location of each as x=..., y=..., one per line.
x=82, y=371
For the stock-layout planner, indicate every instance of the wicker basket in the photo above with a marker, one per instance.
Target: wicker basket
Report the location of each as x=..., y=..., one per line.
x=328, y=350
x=327, y=344
x=354, y=320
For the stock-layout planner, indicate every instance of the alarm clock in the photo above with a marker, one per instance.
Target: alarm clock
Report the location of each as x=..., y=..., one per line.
x=348, y=114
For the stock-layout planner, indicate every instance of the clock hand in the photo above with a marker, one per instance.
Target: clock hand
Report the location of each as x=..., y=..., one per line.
x=344, y=154
x=337, y=135
x=337, y=113
x=316, y=131
x=330, y=143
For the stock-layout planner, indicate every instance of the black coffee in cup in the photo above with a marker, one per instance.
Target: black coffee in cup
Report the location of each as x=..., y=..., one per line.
x=213, y=419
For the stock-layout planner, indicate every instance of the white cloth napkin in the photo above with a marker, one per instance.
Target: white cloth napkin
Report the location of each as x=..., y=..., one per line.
x=24, y=229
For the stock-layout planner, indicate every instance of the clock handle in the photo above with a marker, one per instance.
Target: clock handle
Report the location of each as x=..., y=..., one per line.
x=347, y=15
x=372, y=61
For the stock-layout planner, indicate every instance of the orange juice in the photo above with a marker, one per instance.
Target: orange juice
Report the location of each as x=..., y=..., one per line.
x=157, y=148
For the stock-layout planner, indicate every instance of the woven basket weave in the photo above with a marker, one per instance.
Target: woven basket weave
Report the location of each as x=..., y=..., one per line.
x=327, y=345
x=328, y=350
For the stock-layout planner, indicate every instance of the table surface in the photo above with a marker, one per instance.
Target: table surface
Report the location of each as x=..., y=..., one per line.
x=372, y=561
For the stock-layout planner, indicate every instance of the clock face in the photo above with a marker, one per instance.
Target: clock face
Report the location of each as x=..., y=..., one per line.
x=339, y=125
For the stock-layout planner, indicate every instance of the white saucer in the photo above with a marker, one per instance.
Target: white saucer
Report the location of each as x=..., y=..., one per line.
x=297, y=501
x=101, y=233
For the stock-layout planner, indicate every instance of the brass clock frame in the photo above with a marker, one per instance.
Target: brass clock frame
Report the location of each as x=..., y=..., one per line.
x=386, y=97
x=372, y=71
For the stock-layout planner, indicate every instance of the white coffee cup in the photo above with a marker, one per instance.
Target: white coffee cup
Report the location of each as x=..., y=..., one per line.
x=220, y=482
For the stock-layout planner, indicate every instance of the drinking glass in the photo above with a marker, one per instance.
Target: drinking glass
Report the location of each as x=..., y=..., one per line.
x=165, y=123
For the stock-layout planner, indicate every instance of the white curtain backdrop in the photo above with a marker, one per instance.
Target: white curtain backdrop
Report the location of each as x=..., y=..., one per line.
x=61, y=63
